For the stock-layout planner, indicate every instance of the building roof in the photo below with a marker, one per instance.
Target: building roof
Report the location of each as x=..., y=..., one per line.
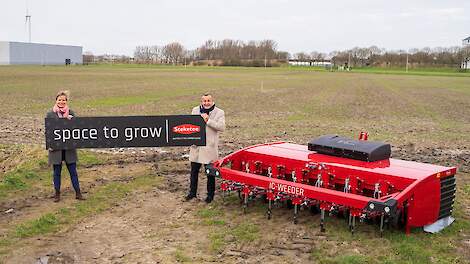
x=35, y=43
x=467, y=38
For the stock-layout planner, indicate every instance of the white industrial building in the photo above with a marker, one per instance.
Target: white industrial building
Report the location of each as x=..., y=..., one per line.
x=12, y=53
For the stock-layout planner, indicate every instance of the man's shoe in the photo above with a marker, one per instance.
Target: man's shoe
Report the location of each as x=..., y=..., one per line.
x=209, y=199
x=57, y=197
x=79, y=196
x=189, y=197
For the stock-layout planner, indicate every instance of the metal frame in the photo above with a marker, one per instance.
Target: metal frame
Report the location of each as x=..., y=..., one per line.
x=393, y=190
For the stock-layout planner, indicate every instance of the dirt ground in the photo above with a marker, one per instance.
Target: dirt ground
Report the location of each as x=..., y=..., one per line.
x=156, y=226
x=148, y=228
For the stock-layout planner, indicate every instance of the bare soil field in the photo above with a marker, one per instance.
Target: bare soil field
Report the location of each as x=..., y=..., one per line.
x=135, y=213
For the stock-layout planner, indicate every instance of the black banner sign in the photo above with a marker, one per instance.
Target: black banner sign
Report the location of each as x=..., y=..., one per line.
x=125, y=131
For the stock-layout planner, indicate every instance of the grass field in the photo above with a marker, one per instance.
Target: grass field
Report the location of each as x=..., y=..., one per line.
x=302, y=103
x=425, y=115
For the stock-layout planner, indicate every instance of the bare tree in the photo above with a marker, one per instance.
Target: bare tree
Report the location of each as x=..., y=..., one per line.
x=173, y=52
x=317, y=56
x=156, y=54
x=302, y=56
x=88, y=57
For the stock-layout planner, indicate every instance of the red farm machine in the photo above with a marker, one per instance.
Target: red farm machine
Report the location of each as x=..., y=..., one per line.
x=333, y=174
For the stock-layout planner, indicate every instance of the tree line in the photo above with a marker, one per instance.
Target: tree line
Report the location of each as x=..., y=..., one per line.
x=225, y=52
x=230, y=52
x=379, y=57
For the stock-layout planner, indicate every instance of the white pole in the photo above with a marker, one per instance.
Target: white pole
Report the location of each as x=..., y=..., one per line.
x=28, y=20
x=29, y=29
x=349, y=60
x=407, y=62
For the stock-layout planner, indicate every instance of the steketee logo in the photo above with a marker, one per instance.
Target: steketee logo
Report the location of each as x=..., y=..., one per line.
x=186, y=129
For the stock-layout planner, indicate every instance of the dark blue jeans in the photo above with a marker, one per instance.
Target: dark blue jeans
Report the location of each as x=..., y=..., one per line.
x=72, y=168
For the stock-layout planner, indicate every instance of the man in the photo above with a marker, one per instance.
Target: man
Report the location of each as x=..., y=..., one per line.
x=198, y=155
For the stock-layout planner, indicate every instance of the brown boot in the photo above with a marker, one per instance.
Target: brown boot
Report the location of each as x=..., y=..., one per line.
x=79, y=196
x=57, y=196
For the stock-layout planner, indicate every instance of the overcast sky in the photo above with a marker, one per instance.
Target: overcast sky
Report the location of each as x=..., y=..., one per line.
x=117, y=26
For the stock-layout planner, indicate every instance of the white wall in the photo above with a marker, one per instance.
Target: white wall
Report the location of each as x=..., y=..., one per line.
x=4, y=53
x=44, y=54
x=307, y=63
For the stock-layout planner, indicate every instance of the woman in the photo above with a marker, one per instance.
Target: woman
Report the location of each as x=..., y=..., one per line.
x=61, y=110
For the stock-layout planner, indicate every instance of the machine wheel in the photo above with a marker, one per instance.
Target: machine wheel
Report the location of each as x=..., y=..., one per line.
x=264, y=198
x=398, y=222
x=289, y=204
x=345, y=214
x=314, y=209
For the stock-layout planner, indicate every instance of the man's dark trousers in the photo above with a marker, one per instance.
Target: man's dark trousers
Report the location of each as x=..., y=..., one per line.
x=195, y=167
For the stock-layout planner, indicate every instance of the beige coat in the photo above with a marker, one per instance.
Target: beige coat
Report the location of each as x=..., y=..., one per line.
x=215, y=124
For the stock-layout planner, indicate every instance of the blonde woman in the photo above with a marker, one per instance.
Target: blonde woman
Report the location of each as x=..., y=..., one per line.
x=62, y=110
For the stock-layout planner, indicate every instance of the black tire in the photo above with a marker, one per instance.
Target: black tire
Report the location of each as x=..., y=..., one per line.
x=289, y=204
x=264, y=197
x=314, y=209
